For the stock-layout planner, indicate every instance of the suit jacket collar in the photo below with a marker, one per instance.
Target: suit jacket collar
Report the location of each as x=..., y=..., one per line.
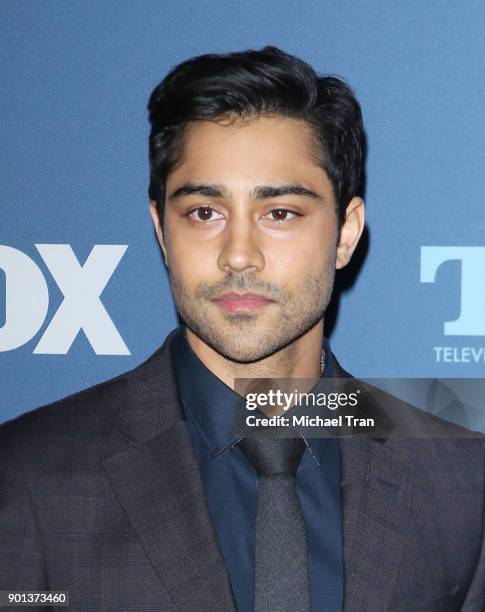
x=155, y=476
x=377, y=496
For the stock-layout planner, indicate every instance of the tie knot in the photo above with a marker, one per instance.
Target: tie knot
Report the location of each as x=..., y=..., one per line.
x=273, y=456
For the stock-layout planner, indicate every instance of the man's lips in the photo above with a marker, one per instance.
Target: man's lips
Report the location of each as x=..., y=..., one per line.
x=242, y=302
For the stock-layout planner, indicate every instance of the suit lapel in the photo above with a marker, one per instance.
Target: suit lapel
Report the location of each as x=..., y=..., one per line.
x=155, y=476
x=376, y=489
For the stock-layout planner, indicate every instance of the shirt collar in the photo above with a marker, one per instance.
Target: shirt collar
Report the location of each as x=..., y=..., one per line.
x=210, y=404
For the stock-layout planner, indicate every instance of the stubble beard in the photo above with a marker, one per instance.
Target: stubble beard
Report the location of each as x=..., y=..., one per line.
x=240, y=337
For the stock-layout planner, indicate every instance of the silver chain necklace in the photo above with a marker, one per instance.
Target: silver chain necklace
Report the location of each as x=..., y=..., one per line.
x=322, y=361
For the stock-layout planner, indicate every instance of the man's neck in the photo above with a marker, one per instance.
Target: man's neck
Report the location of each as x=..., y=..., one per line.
x=300, y=359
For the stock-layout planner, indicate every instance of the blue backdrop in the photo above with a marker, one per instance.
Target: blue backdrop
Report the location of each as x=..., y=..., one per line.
x=75, y=78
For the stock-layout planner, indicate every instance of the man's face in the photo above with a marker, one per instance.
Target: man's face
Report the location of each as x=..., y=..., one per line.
x=250, y=235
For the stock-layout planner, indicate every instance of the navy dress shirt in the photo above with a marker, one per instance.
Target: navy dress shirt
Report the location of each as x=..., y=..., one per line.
x=230, y=484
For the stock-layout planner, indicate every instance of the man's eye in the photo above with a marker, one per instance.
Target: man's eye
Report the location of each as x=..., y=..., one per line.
x=204, y=214
x=282, y=214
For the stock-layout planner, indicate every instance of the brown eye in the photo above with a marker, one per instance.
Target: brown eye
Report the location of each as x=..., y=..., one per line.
x=282, y=214
x=279, y=214
x=204, y=214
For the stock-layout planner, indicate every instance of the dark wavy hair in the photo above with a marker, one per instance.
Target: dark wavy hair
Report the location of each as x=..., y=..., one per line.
x=251, y=83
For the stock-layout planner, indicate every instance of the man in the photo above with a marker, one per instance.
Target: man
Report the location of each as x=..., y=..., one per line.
x=139, y=494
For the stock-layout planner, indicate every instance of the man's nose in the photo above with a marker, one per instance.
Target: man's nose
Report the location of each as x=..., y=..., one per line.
x=240, y=250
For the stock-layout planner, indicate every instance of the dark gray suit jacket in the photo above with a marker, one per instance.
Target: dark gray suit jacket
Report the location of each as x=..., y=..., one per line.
x=100, y=495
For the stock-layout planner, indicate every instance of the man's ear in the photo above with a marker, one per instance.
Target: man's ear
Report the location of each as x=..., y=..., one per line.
x=350, y=231
x=152, y=207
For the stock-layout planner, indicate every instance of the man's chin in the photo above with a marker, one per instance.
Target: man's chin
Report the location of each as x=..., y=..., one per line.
x=244, y=348
x=249, y=355
x=243, y=338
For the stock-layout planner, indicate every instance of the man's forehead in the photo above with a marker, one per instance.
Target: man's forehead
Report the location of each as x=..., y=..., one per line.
x=264, y=152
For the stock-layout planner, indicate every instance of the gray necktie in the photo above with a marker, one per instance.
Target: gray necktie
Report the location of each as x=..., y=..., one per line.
x=281, y=563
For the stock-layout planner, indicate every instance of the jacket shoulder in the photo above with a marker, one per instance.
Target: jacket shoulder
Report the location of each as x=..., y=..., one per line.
x=85, y=407
x=428, y=443
x=85, y=414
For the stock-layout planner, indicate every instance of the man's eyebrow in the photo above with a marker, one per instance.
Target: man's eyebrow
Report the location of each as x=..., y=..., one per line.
x=258, y=193
x=208, y=190
x=269, y=191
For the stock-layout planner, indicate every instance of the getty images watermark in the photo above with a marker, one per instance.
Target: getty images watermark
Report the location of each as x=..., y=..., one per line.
x=316, y=407
x=276, y=400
